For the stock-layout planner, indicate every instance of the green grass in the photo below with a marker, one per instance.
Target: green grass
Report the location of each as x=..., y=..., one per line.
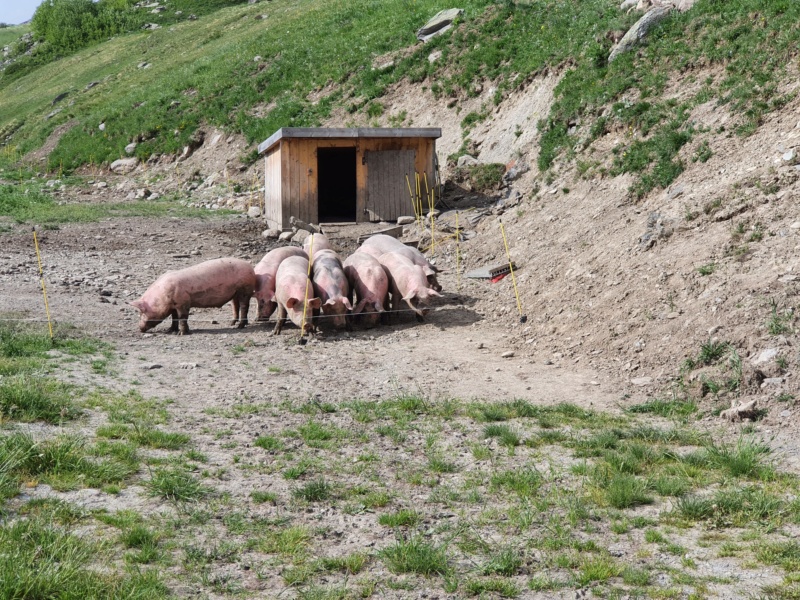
x=42, y=560
x=28, y=203
x=402, y=518
x=27, y=398
x=415, y=555
x=176, y=485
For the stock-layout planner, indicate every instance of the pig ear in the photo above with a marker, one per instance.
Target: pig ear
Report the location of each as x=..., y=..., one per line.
x=347, y=304
x=140, y=305
x=359, y=307
x=314, y=303
x=411, y=295
x=329, y=302
x=292, y=302
x=433, y=292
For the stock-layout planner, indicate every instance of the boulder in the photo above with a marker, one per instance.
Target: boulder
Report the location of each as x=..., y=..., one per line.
x=254, y=212
x=467, y=161
x=271, y=234
x=286, y=236
x=639, y=31
x=441, y=22
x=405, y=220
x=129, y=149
x=123, y=166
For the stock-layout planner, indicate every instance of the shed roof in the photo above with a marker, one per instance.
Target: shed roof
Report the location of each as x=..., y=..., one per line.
x=340, y=132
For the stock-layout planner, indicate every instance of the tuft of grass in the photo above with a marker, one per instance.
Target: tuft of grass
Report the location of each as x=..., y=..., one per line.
x=671, y=409
x=314, y=491
x=260, y=497
x=506, y=436
x=501, y=587
x=523, y=482
x=269, y=443
x=744, y=459
x=177, y=485
x=415, y=555
x=27, y=398
x=402, y=518
x=505, y=562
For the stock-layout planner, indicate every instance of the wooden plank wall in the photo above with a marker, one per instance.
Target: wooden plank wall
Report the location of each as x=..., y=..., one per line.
x=272, y=188
x=292, y=189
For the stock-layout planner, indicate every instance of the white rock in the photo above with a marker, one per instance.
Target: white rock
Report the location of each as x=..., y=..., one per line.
x=467, y=161
x=123, y=166
x=254, y=212
x=405, y=220
x=765, y=356
x=507, y=354
x=286, y=236
x=642, y=381
x=130, y=148
x=271, y=234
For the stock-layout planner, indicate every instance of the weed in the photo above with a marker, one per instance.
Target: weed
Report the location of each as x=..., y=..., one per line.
x=675, y=408
x=260, y=497
x=707, y=269
x=481, y=587
x=176, y=485
x=523, y=482
x=505, y=562
x=778, y=323
x=507, y=436
x=269, y=443
x=415, y=555
x=314, y=491
x=742, y=460
x=27, y=398
x=402, y=518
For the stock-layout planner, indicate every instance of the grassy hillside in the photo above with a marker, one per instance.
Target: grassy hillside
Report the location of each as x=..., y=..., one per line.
x=9, y=35
x=251, y=69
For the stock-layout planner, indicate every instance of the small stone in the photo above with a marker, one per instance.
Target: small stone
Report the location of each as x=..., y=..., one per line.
x=765, y=356
x=785, y=413
x=286, y=236
x=480, y=346
x=467, y=161
x=254, y=212
x=547, y=361
x=130, y=148
x=594, y=383
x=188, y=365
x=507, y=354
x=150, y=366
x=300, y=236
x=405, y=220
x=642, y=381
x=271, y=234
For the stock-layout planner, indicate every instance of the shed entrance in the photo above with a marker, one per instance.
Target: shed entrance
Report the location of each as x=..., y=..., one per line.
x=336, y=181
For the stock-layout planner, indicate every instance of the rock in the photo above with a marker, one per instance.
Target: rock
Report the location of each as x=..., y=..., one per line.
x=642, y=381
x=309, y=227
x=434, y=56
x=150, y=366
x=772, y=381
x=59, y=98
x=507, y=354
x=130, y=148
x=286, y=236
x=142, y=193
x=405, y=220
x=433, y=214
x=765, y=356
x=787, y=156
x=748, y=410
x=441, y=22
x=271, y=234
x=102, y=127
x=467, y=161
x=786, y=413
x=91, y=84
x=639, y=31
x=628, y=4
x=300, y=236
x=123, y=166
x=191, y=365
x=254, y=212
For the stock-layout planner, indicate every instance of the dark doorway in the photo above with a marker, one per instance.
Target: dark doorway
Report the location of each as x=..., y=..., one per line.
x=336, y=184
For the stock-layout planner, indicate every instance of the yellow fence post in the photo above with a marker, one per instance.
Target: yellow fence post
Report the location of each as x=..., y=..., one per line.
x=41, y=278
x=522, y=318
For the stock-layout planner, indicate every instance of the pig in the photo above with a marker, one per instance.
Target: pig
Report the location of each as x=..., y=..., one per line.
x=381, y=243
x=205, y=285
x=407, y=282
x=332, y=287
x=294, y=294
x=265, y=278
x=369, y=282
x=320, y=243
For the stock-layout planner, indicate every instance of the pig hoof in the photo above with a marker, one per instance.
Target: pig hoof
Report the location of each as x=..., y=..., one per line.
x=420, y=319
x=234, y=322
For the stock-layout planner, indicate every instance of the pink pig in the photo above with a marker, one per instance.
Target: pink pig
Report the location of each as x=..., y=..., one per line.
x=265, y=278
x=381, y=244
x=320, y=242
x=407, y=282
x=332, y=287
x=205, y=285
x=294, y=294
x=370, y=283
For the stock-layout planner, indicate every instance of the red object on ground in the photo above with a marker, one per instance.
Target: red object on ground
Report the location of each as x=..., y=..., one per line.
x=497, y=278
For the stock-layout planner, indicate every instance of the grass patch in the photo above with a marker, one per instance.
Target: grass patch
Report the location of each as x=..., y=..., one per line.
x=176, y=485
x=27, y=398
x=402, y=518
x=415, y=555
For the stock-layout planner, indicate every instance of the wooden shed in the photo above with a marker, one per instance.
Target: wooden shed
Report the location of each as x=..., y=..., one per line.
x=321, y=175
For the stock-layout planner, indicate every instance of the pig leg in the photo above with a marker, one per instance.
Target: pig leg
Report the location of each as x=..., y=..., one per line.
x=174, y=326
x=235, y=304
x=244, y=308
x=281, y=317
x=385, y=318
x=183, y=323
